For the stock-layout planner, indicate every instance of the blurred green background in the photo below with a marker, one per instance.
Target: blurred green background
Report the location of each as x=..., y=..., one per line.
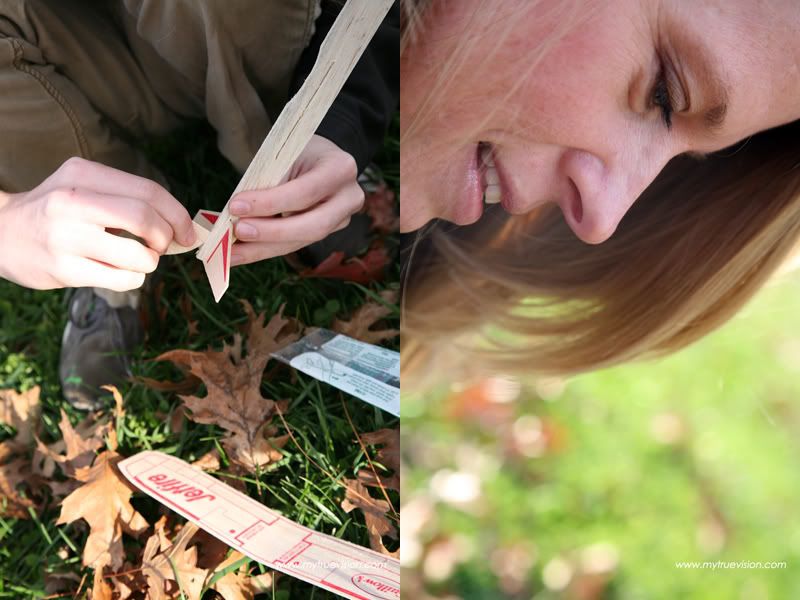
x=597, y=487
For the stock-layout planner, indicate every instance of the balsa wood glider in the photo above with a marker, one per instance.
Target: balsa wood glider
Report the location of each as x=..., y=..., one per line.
x=261, y=533
x=340, y=50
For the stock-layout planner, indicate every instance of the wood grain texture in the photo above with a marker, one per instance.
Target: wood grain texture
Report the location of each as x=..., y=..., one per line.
x=340, y=51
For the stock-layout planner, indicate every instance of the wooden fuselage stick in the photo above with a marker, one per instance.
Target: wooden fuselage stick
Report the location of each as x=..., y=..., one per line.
x=340, y=51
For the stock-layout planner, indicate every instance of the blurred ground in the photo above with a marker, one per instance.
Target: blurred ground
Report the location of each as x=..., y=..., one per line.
x=598, y=486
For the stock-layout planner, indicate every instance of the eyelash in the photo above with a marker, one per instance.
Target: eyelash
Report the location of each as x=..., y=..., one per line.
x=662, y=99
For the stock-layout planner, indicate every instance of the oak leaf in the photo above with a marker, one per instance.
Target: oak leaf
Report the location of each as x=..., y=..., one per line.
x=173, y=569
x=374, y=510
x=365, y=317
x=103, y=501
x=186, y=385
x=76, y=450
x=233, y=383
x=388, y=456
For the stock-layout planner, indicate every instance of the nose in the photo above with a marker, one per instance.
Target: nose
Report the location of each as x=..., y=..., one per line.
x=598, y=193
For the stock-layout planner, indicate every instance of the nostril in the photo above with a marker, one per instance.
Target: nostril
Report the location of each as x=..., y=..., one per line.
x=575, y=204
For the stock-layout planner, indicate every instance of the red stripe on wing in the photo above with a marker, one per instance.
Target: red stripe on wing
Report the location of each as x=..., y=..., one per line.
x=224, y=243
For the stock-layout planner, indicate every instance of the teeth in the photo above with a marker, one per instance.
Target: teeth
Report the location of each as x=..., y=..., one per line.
x=492, y=194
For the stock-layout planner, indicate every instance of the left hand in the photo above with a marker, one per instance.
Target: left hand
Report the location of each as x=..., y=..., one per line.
x=321, y=193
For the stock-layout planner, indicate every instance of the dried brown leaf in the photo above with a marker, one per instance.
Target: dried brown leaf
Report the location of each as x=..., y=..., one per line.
x=233, y=382
x=174, y=568
x=21, y=411
x=12, y=502
x=388, y=456
x=101, y=590
x=185, y=386
x=103, y=501
x=380, y=205
x=365, y=317
x=209, y=461
x=77, y=449
x=364, y=269
x=374, y=510
x=263, y=449
x=119, y=403
x=211, y=551
x=238, y=585
x=59, y=582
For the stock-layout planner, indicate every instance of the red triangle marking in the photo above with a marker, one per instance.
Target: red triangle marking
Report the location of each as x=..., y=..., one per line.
x=224, y=243
x=210, y=216
x=225, y=254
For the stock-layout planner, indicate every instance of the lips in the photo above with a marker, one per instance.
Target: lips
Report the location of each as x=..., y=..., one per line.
x=465, y=189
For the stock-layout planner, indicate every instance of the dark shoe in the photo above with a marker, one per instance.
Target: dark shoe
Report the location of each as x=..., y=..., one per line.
x=95, y=348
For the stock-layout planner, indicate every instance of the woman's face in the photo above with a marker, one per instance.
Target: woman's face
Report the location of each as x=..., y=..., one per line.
x=588, y=117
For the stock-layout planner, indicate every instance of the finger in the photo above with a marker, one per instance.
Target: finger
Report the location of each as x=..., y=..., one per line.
x=295, y=195
x=310, y=226
x=244, y=253
x=130, y=214
x=119, y=252
x=83, y=272
x=342, y=225
x=101, y=179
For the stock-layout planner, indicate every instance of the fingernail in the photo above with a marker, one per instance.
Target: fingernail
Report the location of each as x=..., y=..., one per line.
x=236, y=259
x=245, y=231
x=191, y=237
x=240, y=207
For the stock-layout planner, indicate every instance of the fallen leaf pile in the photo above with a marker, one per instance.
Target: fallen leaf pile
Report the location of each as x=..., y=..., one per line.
x=131, y=558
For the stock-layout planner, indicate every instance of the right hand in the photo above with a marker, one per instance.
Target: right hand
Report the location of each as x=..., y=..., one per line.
x=57, y=235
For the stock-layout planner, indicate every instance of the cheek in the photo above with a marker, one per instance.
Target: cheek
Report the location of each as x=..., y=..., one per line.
x=581, y=85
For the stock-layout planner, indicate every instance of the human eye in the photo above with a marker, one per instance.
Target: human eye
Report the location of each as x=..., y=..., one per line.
x=661, y=97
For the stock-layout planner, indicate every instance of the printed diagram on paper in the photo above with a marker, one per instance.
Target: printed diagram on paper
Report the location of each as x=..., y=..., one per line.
x=346, y=569
x=365, y=371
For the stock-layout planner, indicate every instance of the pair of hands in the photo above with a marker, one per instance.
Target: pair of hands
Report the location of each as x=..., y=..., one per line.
x=60, y=234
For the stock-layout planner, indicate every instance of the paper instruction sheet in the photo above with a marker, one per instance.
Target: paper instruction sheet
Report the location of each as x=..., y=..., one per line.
x=363, y=370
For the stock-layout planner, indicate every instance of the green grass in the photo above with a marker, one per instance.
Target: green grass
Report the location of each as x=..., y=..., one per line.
x=728, y=490
x=31, y=323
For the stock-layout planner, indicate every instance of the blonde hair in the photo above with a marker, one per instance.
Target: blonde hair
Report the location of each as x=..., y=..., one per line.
x=522, y=294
